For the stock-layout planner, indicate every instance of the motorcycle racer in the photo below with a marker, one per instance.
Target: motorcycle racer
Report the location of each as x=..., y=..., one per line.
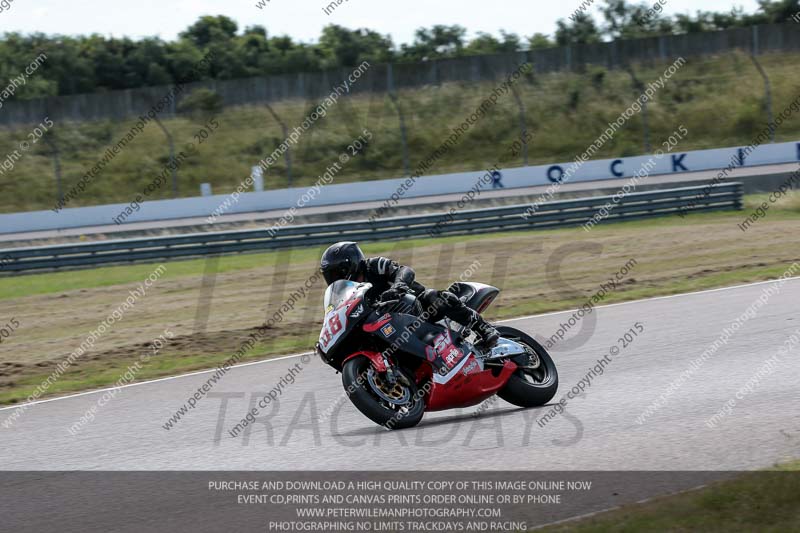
x=390, y=280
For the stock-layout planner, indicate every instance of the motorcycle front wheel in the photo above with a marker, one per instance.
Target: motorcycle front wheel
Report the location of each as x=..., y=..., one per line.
x=535, y=384
x=392, y=405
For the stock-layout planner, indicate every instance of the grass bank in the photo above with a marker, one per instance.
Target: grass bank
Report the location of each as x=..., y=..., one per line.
x=719, y=101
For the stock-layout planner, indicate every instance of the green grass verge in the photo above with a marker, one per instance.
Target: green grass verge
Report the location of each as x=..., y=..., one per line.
x=56, y=282
x=102, y=374
x=767, y=501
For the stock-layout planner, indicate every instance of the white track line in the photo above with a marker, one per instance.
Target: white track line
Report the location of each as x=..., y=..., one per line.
x=273, y=359
x=653, y=298
x=138, y=383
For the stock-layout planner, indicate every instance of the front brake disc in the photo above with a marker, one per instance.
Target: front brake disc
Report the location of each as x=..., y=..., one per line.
x=395, y=393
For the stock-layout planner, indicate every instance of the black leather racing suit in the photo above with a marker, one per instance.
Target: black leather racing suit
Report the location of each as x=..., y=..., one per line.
x=387, y=275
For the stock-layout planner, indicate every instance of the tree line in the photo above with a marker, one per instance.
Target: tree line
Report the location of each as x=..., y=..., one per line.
x=94, y=63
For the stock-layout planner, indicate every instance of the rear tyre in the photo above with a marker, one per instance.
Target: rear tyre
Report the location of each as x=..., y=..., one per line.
x=395, y=406
x=530, y=387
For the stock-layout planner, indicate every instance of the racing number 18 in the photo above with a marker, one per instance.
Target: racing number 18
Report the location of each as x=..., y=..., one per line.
x=334, y=327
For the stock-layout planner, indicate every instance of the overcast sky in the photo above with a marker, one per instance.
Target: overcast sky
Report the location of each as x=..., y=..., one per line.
x=303, y=19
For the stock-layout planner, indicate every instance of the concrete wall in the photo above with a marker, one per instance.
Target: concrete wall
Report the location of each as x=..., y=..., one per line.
x=350, y=193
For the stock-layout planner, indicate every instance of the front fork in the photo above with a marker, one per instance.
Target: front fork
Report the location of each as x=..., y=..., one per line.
x=391, y=374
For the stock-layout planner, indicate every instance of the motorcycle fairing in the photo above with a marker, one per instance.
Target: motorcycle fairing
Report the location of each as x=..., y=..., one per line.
x=338, y=322
x=456, y=378
x=410, y=334
x=466, y=384
x=444, y=353
x=376, y=358
x=508, y=348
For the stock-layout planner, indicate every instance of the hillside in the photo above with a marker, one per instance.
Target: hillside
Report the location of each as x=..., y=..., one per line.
x=720, y=101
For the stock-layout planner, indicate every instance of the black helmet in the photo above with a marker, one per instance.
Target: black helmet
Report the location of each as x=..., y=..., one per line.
x=341, y=261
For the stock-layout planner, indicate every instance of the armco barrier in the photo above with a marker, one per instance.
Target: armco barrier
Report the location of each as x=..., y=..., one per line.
x=548, y=215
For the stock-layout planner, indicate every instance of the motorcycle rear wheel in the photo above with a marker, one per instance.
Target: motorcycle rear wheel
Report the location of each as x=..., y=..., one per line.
x=395, y=406
x=530, y=387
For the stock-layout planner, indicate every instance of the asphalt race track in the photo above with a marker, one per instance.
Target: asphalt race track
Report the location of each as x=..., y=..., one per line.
x=598, y=432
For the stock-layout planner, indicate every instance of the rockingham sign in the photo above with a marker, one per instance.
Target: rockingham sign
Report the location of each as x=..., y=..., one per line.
x=676, y=163
x=372, y=191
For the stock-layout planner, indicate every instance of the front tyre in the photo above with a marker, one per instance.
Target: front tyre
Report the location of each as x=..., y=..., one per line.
x=395, y=406
x=536, y=383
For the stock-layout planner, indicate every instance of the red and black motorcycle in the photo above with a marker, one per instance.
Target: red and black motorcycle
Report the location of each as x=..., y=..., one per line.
x=396, y=365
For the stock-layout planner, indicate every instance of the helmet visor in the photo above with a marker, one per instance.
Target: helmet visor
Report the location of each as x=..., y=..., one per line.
x=332, y=274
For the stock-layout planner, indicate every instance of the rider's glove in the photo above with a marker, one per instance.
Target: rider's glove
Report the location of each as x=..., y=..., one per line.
x=394, y=293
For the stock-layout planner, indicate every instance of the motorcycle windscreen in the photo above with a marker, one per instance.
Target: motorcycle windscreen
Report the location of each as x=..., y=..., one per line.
x=337, y=322
x=340, y=291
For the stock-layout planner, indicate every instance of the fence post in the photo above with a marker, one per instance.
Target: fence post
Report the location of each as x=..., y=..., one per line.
x=173, y=166
x=638, y=87
x=49, y=139
x=523, y=124
x=287, y=154
x=755, y=46
x=767, y=97
x=403, y=132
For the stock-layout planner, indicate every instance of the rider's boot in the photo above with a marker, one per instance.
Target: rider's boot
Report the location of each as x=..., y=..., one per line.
x=487, y=333
x=453, y=308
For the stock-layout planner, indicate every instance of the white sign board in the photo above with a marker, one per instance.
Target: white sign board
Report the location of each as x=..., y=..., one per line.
x=381, y=190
